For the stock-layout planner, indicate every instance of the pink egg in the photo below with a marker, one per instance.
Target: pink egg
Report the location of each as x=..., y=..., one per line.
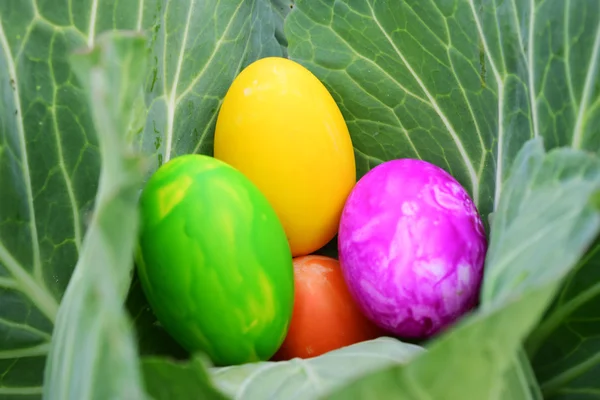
x=412, y=248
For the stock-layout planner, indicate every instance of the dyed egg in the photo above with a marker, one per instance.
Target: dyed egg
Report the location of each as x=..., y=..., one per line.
x=281, y=128
x=214, y=261
x=412, y=247
x=325, y=315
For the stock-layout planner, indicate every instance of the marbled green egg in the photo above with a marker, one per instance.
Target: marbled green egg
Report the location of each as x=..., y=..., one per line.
x=214, y=261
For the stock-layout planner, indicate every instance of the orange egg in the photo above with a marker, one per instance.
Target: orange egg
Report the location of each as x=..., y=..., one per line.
x=325, y=316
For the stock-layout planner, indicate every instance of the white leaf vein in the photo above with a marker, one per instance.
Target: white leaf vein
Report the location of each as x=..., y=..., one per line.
x=34, y=351
x=171, y=102
x=466, y=160
x=592, y=72
x=500, y=83
x=530, y=69
x=37, y=265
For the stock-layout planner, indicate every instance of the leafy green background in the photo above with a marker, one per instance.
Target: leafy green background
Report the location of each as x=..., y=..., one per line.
x=49, y=155
x=565, y=347
x=465, y=84
x=111, y=73
x=461, y=83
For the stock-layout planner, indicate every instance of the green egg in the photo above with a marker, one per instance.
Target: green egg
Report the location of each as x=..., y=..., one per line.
x=214, y=261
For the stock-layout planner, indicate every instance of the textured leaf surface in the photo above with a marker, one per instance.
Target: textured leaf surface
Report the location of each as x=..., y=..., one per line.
x=167, y=380
x=93, y=353
x=49, y=156
x=462, y=84
x=519, y=381
x=282, y=9
x=311, y=378
x=449, y=369
x=545, y=220
x=494, y=333
x=565, y=347
x=49, y=167
x=198, y=49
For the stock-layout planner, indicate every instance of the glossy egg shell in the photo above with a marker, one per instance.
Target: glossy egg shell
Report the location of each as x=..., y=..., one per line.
x=214, y=261
x=412, y=247
x=281, y=127
x=325, y=315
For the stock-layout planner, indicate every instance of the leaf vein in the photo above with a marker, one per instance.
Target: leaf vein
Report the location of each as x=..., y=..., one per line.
x=140, y=18
x=171, y=102
x=24, y=156
x=499, y=82
x=35, y=351
x=27, y=328
x=62, y=166
x=440, y=113
x=587, y=90
x=567, y=56
x=218, y=45
x=92, y=27
x=8, y=283
x=15, y=390
x=28, y=286
x=530, y=72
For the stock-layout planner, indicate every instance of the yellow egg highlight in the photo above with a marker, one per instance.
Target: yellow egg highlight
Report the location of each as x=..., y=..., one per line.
x=282, y=129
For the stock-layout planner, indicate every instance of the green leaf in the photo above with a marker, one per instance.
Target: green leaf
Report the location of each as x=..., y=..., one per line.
x=93, y=352
x=449, y=369
x=568, y=180
x=519, y=381
x=282, y=9
x=167, y=380
x=49, y=169
x=564, y=347
x=198, y=48
x=462, y=84
x=564, y=354
x=49, y=156
x=313, y=377
x=551, y=208
x=152, y=338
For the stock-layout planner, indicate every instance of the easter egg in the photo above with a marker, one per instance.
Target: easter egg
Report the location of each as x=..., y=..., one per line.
x=325, y=316
x=412, y=248
x=214, y=261
x=281, y=128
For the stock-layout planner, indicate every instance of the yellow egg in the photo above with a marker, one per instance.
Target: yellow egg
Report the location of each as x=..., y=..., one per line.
x=281, y=128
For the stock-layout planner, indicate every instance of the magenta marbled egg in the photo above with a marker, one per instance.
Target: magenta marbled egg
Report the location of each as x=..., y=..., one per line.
x=412, y=247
